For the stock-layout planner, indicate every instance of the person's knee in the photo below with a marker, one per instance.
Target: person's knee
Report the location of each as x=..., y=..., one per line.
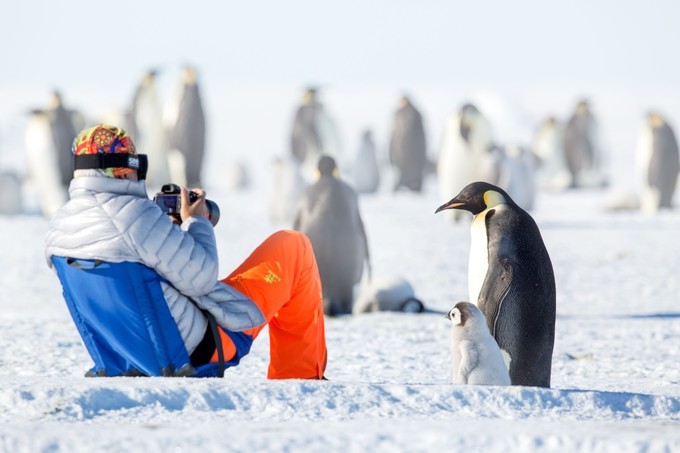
x=291, y=239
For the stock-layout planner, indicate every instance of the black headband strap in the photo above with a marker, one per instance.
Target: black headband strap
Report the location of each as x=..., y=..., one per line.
x=134, y=161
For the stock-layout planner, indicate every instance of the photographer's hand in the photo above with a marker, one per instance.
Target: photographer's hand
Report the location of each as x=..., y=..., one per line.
x=197, y=208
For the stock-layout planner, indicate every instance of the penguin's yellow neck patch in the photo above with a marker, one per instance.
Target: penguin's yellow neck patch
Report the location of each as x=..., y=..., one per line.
x=493, y=198
x=655, y=120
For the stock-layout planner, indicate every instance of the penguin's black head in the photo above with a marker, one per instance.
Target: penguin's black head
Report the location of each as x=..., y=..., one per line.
x=326, y=165
x=412, y=305
x=467, y=114
x=476, y=197
x=57, y=97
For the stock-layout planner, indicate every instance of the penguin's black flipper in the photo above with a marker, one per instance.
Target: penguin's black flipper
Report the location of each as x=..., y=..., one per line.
x=495, y=288
x=655, y=166
x=367, y=257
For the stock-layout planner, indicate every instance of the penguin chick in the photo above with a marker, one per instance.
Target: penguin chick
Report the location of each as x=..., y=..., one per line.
x=475, y=355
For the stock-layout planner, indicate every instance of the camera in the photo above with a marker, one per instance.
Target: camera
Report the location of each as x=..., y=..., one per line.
x=170, y=202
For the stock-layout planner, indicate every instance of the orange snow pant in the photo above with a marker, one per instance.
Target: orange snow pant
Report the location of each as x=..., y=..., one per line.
x=282, y=278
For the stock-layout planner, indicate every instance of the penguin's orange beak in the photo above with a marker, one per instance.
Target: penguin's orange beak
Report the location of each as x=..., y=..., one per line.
x=453, y=204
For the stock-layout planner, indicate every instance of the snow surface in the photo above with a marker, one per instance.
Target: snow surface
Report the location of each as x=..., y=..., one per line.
x=616, y=378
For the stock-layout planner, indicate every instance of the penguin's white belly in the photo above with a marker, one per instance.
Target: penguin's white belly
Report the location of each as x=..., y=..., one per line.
x=492, y=369
x=456, y=168
x=643, y=154
x=650, y=197
x=365, y=174
x=151, y=138
x=507, y=358
x=477, y=360
x=43, y=167
x=479, y=257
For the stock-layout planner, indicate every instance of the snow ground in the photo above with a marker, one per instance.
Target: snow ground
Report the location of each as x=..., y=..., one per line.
x=616, y=378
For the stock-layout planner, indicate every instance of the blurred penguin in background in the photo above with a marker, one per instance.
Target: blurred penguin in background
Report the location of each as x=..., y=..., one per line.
x=408, y=147
x=148, y=130
x=305, y=137
x=186, y=131
x=43, y=169
x=491, y=164
x=287, y=188
x=582, y=149
x=64, y=125
x=365, y=171
x=313, y=134
x=329, y=215
x=387, y=293
x=657, y=162
x=11, y=196
x=552, y=172
x=464, y=154
x=517, y=175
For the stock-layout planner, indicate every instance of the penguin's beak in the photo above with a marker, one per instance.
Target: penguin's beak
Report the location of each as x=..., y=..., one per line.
x=453, y=204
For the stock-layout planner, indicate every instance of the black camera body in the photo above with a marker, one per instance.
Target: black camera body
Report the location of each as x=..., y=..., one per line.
x=170, y=202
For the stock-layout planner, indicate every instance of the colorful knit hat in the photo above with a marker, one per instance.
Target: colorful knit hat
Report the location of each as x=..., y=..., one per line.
x=103, y=139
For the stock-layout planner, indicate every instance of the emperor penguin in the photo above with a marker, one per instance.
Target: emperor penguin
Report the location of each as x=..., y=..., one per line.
x=517, y=175
x=552, y=172
x=466, y=140
x=43, y=169
x=365, y=171
x=313, y=134
x=187, y=132
x=64, y=129
x=148, y=130
x=511, y=280
x=475, y=355
x=329, y=215
x=657, y=162
x=408, y=146
x=582, y=148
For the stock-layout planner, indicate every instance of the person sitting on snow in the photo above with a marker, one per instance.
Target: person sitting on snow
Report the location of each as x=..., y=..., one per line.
x=109, y=219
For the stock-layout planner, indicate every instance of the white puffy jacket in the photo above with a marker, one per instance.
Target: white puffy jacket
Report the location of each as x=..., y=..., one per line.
x=113, y=220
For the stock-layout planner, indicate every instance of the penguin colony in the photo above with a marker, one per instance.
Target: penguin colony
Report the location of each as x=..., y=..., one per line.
x=511, y=283
x=505, y=334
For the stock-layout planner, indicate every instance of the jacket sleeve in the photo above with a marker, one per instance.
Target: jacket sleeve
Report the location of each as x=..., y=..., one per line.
x=186, y=256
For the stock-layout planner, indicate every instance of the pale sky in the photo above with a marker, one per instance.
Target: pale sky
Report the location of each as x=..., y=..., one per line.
x=65, y=43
